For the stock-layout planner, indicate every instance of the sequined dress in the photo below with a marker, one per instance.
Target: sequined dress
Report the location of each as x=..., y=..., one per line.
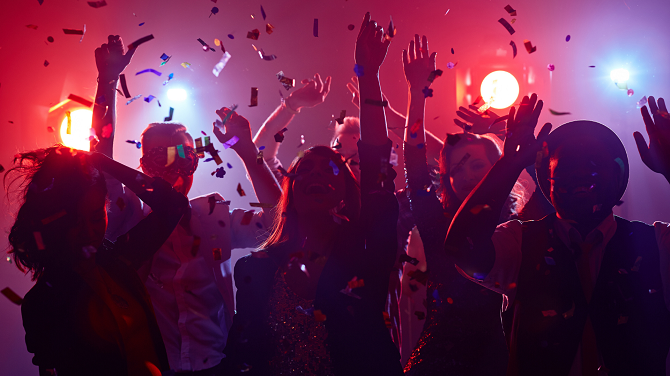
x=298, y=337
x=463, y=333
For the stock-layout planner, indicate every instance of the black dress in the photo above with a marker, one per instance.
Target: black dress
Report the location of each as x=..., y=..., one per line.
x=463, y=333
x=358, y=341
x=63, y=329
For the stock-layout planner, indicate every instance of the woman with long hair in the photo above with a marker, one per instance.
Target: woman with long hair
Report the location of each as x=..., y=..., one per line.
x=88, y=313
x=462, y=333
x=311, y=301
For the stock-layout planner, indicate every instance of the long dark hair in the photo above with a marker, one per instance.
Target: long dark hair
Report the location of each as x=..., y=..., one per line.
x=491, y=145
x=285, y=226
x=49, y=184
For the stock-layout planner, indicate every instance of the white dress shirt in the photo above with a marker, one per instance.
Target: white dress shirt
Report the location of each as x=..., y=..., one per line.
x=191, y=287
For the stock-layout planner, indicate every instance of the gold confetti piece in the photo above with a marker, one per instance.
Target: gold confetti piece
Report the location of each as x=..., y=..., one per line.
x=268, y=28
x=171, y=155
x=69, y=122
x=11, y=295
x=186, y=64
x=254, y=34
x=217, y=42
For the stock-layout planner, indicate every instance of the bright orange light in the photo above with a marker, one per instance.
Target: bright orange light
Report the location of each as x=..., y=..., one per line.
x=80, y=129
x=499, y=89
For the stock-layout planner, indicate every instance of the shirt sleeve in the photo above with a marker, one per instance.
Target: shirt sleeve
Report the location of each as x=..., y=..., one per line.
x=124, y=209
x=248, y=228
x=505, y=272
x=662, y=230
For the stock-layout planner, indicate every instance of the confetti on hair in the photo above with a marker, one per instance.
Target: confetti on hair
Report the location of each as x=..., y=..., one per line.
x=142, y=40
x=12, y=296
x=507, y=26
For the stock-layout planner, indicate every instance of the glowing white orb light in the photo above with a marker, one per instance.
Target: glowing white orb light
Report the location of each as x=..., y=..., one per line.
x=80, y=129
x=177, y=94
x=500, y=89
x=619, y=75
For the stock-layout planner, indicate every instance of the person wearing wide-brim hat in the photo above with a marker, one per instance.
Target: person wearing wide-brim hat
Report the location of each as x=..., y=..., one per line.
x=589, y=291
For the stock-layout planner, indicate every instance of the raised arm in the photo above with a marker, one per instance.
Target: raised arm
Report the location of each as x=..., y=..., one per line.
x=418, y=65
x=264, y=183
x=313, y=93
x=111, y=61
x=371, y=48
x=469, y=236
x=656, y=155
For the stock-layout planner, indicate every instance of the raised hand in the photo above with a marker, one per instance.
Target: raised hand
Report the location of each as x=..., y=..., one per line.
x=236, y=125
x=656, y=155
x=110, y=59
x=520, y=142
x=418, y=63
x=353, y=89
x=313, y=93
x=371, y=46
x=479, y=123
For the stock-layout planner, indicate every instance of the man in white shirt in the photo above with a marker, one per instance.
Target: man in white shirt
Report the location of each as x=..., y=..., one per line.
x=590, y=292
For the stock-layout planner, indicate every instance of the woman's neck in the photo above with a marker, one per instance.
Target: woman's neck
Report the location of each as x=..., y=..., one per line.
x=316, y=231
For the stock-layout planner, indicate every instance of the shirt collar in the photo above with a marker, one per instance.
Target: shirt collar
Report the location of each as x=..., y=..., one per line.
x=602, y=234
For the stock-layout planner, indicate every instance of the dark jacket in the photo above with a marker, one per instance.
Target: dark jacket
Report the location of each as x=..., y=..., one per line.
x=627, y=308
x=358, y=340
x=56, y=311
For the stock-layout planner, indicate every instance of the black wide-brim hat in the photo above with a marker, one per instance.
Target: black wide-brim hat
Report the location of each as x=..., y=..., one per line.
x=573, y=131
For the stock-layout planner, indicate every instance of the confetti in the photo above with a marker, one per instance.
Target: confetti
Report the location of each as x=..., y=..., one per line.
x=551, y=67
x=124, y=85
x=642, y=102
x=38, y=240
x=511, y=43
x=221, y=64
x=254, y=97
x=358, y=69
x=121, y=203
x=149, y=98
x=452, y=50
x=427, y=92
x=213, y=152
x=78, y=99
x=138, y=96
x=286, y=82
x=268, y=28
x=418, y=275
x=73, y=31
x=169, y=117
x=434, y=74
x=406, y=258
x=302, y=140
x=69, y=123
x=343, y=114
x=319, y=316
x=219, y=172
x=253, y=34
x=97, y=4
x=222, y=223
x=513, y=20
x=240, y=191
x=315, y=29
x=170, y=77
x=225, y=119
x=351, y=27
x=509, y=27
x=529, y=46
x=592, y=66
x=12, y=296
x=451, y=65
x=549, y=260
x=279, y=136
x=631, y=92
x=231, y=36
x=205, y=46
x=34, y=27
x=391, y=32
x=229, y=165
x=336, y=170
x=259, y=158
x=377, y=103
x=567, y=38
x=510, y=10
x=263, y=12
x=214, y=10
x=247, y=217
x=136, y=43
x=50, y=39
x=49, y=129
x=141, y=24
x=558, y=113
x=165, y=58
x=262, y=54
x=186, y=65
x=157, y=73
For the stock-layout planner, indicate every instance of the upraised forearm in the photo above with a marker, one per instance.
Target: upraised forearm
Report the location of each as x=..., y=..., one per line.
x=105, y=113
x=278, y=120
x=414, y=126
x=372, y=116
x=264, y=183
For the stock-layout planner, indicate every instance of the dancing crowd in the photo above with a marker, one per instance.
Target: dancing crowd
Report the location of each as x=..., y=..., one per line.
x=519, y=262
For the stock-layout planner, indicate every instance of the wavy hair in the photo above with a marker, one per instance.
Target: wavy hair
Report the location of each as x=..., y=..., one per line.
x=285, y=226
x=49, y=184
x=492, y=148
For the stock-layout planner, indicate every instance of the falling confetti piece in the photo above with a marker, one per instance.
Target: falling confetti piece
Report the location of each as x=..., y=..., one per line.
x=434, y=74
x=136, y=43
x=551, y=67
x=427, y=92
x=231, y=36
x=268, y=28
x=529, y=46
x=630, y=92
x=642, y=102
x=247, y=217
x=549, y=260
x=351, y=27
x=567, y=39
x=253, y=34
x=254, y=97
x=220, y=172
x=511, y=43
x=263, y=13
x=34, y=27
x=451, y=65
x=12, y=296
x=358, y=69
x=288, y=83
x=221, y=64
x=558, y=113
x=377, y=102
x=205, y=46
x=509, y=27
x=157, y=73
x=141, y=24
x=170, y=77
x=302, y=140
x=78, y=99
x=149, y=98
x=214, y=10
x=169, y=117
x=138, y=96
x=97, y=4
x=510, y=10
x=315, y=29
x=592, y=66
x=124, y=85
x=50, y=39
